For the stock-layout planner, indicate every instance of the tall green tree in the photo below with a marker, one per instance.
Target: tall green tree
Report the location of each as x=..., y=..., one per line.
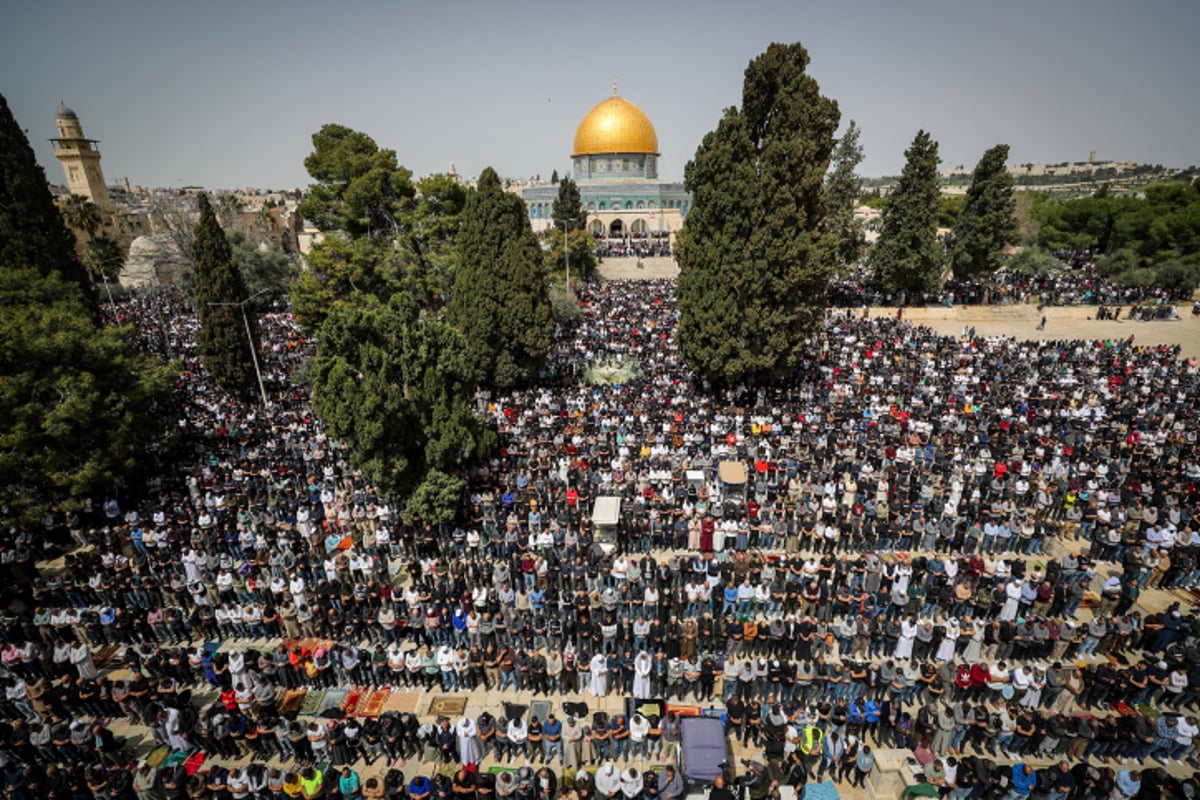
x=32, y=233
x=359, y=189
x=756, y=251
x=843, y=186
x=397, y=385
x=569, y=213
x=499, y=299
x=908, y=256
x=79, y=410
x=988, y=219
x=229, y=354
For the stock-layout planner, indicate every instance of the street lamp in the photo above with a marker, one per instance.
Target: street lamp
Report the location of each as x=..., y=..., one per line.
x=566, y=223
x=250, y=340
x=104, y=275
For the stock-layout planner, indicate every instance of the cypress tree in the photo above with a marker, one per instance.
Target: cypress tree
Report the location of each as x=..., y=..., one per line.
x=908, y=255
x=842, y=188
x=500, y=300
x=224, y=345
x=756, y=252
x=568, y=207
x=988, y=220
x=32, y=232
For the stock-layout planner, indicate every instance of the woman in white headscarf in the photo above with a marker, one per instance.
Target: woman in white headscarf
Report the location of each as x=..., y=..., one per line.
x=642, y=665
x=468, y=744
x=599, y=672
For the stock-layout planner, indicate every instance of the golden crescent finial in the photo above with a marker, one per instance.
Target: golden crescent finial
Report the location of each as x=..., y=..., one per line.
x=614, y=85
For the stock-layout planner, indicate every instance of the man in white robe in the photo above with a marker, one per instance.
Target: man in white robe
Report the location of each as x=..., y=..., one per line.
x=598, y=685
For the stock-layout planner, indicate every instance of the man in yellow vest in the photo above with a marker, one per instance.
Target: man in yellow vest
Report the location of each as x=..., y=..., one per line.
x=810, y=747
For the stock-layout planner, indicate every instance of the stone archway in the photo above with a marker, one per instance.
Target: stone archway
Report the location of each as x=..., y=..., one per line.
x=638, y=226
x=597, y=229
x=616, y=229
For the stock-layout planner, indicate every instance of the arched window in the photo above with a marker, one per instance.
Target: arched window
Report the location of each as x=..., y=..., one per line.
x=629, y=204
x=603, y=205
x=641, y=204
x=616, y=229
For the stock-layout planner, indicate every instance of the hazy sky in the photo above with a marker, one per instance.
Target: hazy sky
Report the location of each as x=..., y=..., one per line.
x=227, y=93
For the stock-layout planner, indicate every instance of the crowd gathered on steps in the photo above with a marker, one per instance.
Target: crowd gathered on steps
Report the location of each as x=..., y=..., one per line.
x=923, y=521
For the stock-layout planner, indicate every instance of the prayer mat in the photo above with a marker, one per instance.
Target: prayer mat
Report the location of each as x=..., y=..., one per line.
x=402, y=702
x=193, y=763
x=373, y=706
x=292, y=699
x=354, y=699
x=158, y=756
x=106, y=656
x=312, y=703
x=1148, y=710
x=540, y=709
x=685, y=711
x=333, y=699
x=447, y=705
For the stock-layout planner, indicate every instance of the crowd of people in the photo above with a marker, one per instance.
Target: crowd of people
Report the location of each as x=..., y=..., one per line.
x=940, y=546
x=1077, y=283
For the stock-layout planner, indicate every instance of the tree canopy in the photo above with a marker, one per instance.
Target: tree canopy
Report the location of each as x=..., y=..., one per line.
x=78, y=408
x=32, y=233
x=908, y=255
x=499, y=299
x=360, y=189
x=263, y=269
x=988, y=220
x=383, y=235
x=756, y=251
x=1161, y=225
x=397, y=385
x=229, y=354
x=842, y=189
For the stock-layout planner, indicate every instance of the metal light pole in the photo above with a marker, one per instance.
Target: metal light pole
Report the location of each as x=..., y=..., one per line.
x=107, y=285
x=250, y=341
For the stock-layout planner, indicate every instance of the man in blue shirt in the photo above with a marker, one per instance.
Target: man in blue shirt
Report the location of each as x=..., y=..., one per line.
x=1023, y=780
x=552, y=739
x=1129, y=782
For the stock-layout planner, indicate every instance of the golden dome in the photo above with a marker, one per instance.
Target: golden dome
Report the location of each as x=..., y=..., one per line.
x=615, y=125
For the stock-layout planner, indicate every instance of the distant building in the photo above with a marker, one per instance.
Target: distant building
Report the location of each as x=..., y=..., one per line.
x=615, y=163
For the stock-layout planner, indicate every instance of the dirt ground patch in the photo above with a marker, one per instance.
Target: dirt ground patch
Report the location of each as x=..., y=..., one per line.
x=1072, y=322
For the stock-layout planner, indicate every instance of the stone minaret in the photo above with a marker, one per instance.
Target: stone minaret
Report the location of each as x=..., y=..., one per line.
x=81, y=161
